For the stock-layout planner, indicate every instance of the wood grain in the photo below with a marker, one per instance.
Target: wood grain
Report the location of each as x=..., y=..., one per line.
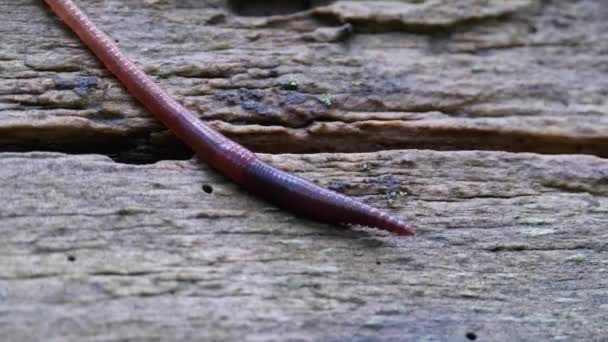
x=521, y=75
x=509, y=246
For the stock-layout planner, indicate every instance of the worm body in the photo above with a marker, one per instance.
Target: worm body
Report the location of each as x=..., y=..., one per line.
x=229, y=158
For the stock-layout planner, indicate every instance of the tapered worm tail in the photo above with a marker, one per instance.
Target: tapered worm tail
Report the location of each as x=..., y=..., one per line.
x=230, y=158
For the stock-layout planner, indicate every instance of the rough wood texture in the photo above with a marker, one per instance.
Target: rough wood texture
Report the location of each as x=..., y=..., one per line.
x=509, y=246
x=519, y=75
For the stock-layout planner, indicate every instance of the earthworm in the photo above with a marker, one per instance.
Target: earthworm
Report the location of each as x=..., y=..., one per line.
x=229, y=158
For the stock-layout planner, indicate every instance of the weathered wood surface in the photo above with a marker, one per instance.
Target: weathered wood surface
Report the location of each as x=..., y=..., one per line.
x=525, y=75
x=509, y=246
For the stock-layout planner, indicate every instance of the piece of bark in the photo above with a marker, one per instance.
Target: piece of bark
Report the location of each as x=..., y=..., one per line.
x=509, y=247
x=523, y=75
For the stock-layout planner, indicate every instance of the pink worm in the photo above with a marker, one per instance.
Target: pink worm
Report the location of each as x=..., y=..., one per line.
x=229, y=158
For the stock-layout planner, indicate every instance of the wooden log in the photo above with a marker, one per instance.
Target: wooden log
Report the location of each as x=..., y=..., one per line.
x=509, y=247
x=355, y=76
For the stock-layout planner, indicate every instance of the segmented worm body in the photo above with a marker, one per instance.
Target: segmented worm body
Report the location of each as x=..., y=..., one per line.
x=229, y=158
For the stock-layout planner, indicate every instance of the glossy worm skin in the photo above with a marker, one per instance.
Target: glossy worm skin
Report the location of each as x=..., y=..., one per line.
x=229, y=158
